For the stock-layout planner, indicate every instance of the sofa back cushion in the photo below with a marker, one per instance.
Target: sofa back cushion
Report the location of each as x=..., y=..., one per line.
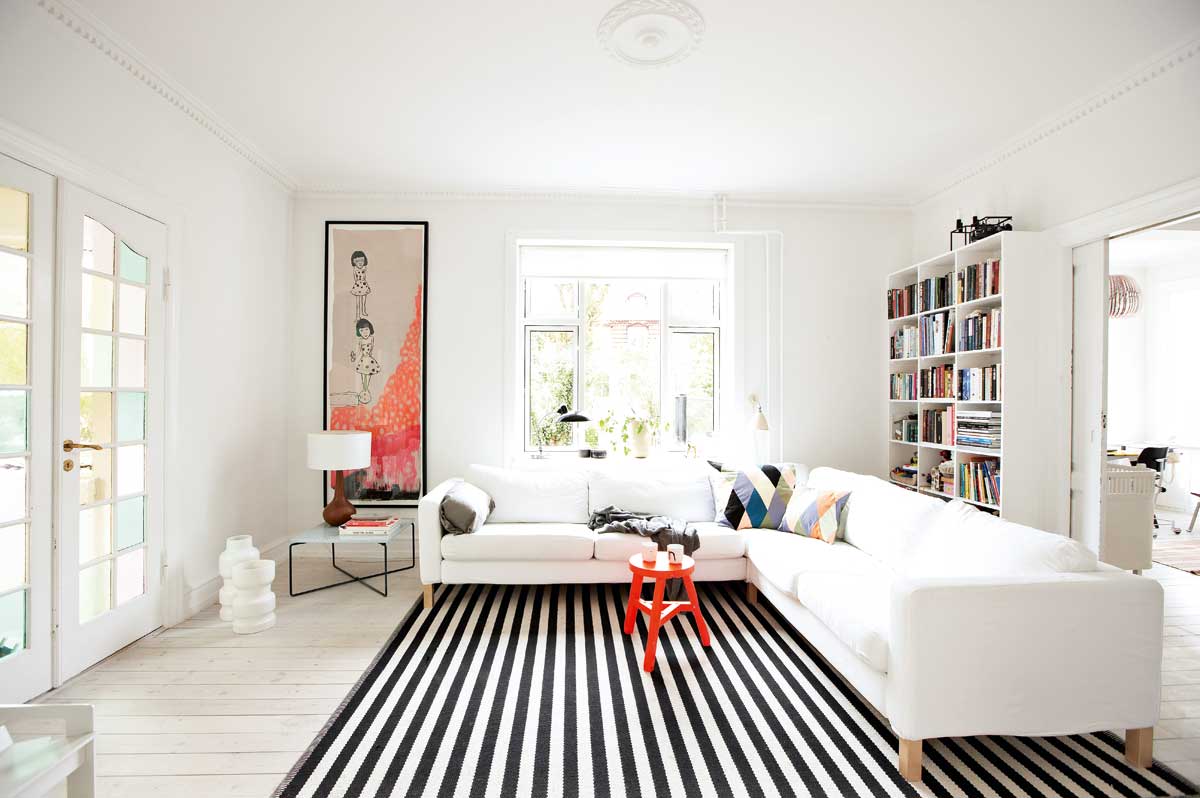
x=968, y=542
x=887, y=521
x=533, y=496
x=826, y=478
x=684, y=494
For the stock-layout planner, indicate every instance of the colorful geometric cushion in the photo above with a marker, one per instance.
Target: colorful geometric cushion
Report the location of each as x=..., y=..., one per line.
x=754, y=498
x=822, y=518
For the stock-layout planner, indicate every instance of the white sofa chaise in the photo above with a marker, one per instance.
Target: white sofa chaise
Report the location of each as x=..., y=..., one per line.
x=947, y=620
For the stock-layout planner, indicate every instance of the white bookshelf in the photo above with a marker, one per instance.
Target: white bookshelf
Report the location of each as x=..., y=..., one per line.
x=1034, y=300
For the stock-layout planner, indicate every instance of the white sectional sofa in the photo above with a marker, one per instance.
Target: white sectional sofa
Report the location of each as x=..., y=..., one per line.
x=949, y=621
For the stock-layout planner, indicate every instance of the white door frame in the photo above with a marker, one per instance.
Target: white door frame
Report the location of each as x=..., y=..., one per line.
x=24, y=145
x=1148, y=210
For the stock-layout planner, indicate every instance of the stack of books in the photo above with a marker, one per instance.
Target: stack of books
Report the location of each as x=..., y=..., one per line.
x=978, y=428
x=937, y=424
x=904, y=386
x=937, y=333
x=979, y=481
x=979, y=384
x=902, y=301
x=372, y=527
x=978, y=281
x=934, y=293
x=904, y=343
x=937, y=382
x=904, y=428
x=981, y=330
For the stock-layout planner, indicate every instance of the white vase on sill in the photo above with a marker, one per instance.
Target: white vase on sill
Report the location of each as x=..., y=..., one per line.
x=254, y=603
x=640, y=443
x=238, y=549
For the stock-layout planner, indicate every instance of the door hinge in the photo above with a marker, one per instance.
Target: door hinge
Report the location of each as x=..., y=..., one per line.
x=1104, y=421
x=166, y=285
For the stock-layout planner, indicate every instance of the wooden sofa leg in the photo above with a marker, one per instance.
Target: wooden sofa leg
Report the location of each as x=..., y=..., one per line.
x=427, y=594
x=910, y=759
x=751, y=593
x=1139, y=747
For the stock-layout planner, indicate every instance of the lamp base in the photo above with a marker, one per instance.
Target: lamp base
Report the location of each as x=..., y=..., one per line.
x=339, y=510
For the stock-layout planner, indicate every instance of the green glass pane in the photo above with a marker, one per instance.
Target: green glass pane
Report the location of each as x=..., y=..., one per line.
x=95, y=360
x=95, y=590
x=14, y=410
x=14, y=285
x=14, y=338
x=131, y=416
x=134, y=267
x=95, y=417
x=14, y=219
x=12, y=623
x=131, y=522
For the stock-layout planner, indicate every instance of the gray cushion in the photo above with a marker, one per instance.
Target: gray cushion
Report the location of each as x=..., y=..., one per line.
x=465, y=508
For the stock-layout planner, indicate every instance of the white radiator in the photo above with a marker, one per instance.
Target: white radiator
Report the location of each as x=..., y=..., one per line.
x=1128, y=534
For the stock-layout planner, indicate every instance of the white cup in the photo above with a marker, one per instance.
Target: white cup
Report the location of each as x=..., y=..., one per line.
x=650, y=552
x=675, y=553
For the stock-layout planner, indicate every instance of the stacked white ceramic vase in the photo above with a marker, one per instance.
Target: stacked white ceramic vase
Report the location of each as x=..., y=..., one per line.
x=253, y=603
x=238, y=549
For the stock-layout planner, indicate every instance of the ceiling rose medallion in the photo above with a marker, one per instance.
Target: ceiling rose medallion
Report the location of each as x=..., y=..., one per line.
x=651, y=33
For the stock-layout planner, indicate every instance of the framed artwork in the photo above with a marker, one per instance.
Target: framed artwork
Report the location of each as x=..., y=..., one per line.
x=375, y=300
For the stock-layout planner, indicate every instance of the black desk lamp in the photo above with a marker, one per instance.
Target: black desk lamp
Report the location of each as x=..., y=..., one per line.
x=563, y=415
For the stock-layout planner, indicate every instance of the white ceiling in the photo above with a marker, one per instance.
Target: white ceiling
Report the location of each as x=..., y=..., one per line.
x=831, y=99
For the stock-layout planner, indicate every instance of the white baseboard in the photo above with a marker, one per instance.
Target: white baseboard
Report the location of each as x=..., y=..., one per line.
x=202, y=597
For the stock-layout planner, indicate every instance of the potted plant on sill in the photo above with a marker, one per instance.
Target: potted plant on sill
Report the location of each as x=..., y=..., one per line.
x=637, y=434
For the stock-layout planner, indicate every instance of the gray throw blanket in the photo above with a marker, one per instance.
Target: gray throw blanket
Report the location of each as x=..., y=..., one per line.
x=659, y=528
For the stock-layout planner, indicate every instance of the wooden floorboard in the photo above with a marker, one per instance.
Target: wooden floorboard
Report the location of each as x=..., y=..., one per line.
x=198, y=711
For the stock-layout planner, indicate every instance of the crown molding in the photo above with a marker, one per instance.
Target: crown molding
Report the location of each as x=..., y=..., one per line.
x=123, y=54
x=1132, y=81
x=682, y=198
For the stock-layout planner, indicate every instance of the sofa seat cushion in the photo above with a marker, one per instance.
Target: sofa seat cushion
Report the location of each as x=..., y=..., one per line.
x=716, y=543
x=781, y=556
x=549, y=541
x=854, y=606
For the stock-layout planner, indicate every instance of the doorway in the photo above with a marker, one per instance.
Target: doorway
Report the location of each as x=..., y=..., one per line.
x=82, y=355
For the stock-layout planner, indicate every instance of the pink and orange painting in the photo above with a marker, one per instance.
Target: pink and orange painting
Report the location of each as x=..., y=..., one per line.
x=375, y=276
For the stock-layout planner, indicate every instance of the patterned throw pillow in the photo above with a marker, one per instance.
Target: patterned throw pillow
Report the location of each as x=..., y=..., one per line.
x=754, y=498
x=822, y=519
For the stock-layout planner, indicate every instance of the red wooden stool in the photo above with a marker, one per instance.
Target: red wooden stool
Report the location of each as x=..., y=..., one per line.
x=661, y=611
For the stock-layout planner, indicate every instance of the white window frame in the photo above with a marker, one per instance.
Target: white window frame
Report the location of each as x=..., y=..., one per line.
x=517, y=439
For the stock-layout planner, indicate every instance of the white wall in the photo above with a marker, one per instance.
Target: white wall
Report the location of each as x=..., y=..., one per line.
x=1127, y=371
x=833, y=342
x=1141, y=142
x=231, y=275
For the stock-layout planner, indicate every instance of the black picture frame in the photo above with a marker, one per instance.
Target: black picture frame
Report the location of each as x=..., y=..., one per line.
x=326, y=321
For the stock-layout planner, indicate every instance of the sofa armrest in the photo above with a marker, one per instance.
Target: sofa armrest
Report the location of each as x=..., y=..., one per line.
x=1059, y=654
x=429, y=531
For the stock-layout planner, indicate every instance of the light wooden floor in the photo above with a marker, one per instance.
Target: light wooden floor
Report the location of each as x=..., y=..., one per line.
x=199, y=711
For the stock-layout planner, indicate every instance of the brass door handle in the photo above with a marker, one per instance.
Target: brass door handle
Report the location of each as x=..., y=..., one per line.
x=70, y=446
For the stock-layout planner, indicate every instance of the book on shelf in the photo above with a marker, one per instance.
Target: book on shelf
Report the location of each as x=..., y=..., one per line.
x=937, y=382
x=981, y=330
x=978, y=280
x=903, y=386
x=936, y=425
x=902, y=301
x=977, y=428
x=979, y=384
x=934, y=293
x=937, y=333
x=369, y=526
x=979, y=481
x=904, y=428
x=904, y=343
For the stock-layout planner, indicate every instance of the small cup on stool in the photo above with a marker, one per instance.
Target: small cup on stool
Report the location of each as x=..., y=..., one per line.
x=675, y=553
x=649, y=552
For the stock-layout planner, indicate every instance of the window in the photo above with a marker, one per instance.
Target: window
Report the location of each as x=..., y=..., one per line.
x=621, y=332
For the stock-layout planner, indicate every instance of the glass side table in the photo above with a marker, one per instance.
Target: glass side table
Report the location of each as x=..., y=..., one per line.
x=324, y=534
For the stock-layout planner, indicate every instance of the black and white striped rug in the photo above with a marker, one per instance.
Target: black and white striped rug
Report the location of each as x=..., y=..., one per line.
x=535, y=691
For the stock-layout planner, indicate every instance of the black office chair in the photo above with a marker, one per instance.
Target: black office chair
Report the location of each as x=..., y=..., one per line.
x=1155, y=457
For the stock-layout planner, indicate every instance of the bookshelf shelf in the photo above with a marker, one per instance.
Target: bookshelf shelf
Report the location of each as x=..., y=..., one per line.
x=1024, y=300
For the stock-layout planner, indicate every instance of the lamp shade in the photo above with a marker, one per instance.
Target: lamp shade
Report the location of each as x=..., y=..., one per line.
x=339, y=450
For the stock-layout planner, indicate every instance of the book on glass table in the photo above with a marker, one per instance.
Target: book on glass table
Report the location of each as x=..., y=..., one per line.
x=368, y=526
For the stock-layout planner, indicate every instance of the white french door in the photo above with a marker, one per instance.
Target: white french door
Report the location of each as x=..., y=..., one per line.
x=26, y=402
x=1089, y=391
x=109, y=427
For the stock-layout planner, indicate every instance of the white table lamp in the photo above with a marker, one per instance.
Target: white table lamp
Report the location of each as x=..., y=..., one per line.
x=339, y=451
